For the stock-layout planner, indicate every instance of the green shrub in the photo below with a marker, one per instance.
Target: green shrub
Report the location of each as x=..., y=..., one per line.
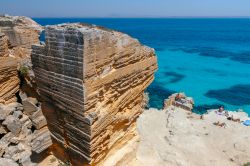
x=23, y=70
x=247, y=164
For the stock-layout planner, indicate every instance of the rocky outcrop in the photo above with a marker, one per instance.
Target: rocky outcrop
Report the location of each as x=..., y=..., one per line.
x=17, y=34
x=3, y=45
x=92, y=81
x=22, y=133
x=21, y=31
x=23, y=128
x=179, y=100
x=9, y=81
x=174, y=136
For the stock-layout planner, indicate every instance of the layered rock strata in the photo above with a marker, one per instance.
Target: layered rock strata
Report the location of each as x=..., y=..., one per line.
x=21, y=31
x=23, y=129
x=9, y=81
x=92, y=82
x=3, y=45
x=17, y=34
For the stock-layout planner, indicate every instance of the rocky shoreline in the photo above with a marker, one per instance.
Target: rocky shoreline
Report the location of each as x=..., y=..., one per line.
x=79, y=97
x=177, y=136
x=174, y=136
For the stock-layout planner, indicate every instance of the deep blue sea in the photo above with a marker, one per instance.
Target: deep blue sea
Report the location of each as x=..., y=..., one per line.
x=208, y=59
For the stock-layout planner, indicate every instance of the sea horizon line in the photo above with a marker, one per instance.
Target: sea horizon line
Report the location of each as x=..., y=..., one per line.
x=236, y=17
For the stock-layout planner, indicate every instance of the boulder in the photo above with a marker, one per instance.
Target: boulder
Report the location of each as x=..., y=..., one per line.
x=7, y=162
x=5, y=111
x=17, y=114
x=30, y=106
x=25, y=121
x=23, y=95
x=8, y=109
x=4, y=142
x=16, y=106
x=41, y=140
x=11, y=151
x=13, y=124
x=2, y=129
x=24, y=153
x=38, y=119
x=179, y=100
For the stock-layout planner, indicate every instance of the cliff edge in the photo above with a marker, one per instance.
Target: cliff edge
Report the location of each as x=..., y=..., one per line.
x=92, y=81
x=174, y=136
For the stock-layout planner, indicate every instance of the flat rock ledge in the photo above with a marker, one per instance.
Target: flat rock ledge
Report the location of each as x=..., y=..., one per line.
x=174, y=136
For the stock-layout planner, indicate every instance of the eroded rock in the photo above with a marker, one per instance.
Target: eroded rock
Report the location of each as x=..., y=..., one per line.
x=7, y=162
x=38, y=119
x=18, y=124
x=3, y=45
x=41, y=140
x=13, y=124
x=9, y=80
x=92, y=81
x=21, y=31
x=4, y=142
x=30, y=105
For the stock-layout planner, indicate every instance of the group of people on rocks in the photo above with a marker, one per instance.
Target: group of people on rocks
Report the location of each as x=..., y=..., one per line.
x=222, y=111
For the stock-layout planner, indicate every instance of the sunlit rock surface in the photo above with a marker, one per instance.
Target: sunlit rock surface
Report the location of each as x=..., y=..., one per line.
x=21, y=31
x=92, y=82
x=3, y=45
x=17, y=34
x=23, y=130
x=9, y=81
x=175, y=137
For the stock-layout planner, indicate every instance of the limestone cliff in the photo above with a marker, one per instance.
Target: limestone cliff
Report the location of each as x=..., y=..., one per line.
x=9, y=81
x=3, y=45
x=92, y=81
x=21, y=31
x=23, y=129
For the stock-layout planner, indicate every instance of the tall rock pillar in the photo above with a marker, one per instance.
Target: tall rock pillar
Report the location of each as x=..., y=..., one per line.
x=92, y=82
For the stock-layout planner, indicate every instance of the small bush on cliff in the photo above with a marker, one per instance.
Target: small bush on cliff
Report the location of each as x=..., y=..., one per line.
x=23, y=70
x=64, y=164
x=247, y=164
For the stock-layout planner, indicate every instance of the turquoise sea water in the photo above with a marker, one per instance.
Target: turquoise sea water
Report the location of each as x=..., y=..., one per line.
x=208, y=59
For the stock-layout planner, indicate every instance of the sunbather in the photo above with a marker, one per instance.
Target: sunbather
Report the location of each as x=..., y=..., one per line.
x=221, y=109
x=233, y=119
x=220, y=124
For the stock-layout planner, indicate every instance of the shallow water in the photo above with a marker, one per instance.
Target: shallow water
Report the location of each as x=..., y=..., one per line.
x=208, y=59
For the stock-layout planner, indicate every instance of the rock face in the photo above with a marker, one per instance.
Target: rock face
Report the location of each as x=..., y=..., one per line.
x=23, y=127
x=20, y=135
x=175, y=137
x=179, y=100
x=21, y=31
x=92, y=82
x=9, y=81
x=9, y=162
x=3, y=45
x=17, y=34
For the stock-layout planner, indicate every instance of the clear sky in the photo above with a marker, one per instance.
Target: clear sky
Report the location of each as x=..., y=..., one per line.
x=126, y=8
